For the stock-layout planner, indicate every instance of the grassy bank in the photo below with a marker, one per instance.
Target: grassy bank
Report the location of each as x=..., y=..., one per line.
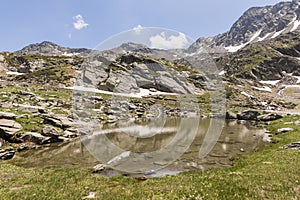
x=269, y=173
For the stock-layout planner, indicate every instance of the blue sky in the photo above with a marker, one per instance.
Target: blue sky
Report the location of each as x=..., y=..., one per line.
x=32, y=21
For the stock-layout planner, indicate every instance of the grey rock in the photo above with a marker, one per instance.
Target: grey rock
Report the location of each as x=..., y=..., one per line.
x=6, y=155
x=58, y=120
x=30, y=108
x=284, y=130
x=269, y=117
x=230, y=115
x=99, y=168
x=8, y=128
x=294, y=145
x=248, y=115
x=49, y=131
x=35, y=138
x=7, y=115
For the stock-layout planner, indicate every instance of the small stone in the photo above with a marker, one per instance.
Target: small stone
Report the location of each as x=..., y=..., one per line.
x=294, y=145
x=99, y=168
x=7, y=155
x=23, y=147
x=284, y=130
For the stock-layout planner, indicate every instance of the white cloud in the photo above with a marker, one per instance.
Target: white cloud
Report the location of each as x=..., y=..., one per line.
x=161, y=41
x=79, y=22
x=138, y=29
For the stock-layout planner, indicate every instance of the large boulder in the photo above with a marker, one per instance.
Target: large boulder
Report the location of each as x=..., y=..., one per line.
x=35, y=138
x=8, y=128
x=50, y=131
x=6, y=154
x=7, y=115
x=269, y=117
x=61, y=121
x=248, y=115
x=230, y=115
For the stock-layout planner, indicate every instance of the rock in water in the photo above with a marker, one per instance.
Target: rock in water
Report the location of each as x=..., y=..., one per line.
x=269, y=117
x=248, y=115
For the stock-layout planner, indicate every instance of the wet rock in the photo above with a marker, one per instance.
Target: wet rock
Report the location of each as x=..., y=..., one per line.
x=6, y=154
x=294, y=145
x=269, y=117
x=284, y=130
x=230, y=115
x=248, y=115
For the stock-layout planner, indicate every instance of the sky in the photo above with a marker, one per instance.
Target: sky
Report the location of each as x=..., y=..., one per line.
x=87, y=23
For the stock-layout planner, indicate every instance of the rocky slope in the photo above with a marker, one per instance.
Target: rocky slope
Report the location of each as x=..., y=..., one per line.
x=256, y=24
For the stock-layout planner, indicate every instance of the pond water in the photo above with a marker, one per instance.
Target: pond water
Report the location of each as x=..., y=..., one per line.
x=140, y=147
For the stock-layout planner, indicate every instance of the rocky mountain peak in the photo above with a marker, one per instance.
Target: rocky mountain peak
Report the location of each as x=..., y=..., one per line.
x=256, y=24
x=51, y=49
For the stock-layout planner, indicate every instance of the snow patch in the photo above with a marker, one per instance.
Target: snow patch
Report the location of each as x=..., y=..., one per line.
x=222, y=73
x=70, y=54
x=142, y=93
x=297, y=77
x=296, y=25
x=247, y=95
x=236, y=48
x=255, y=36
x=277, y=33
x=265, y=37
x=264, y=89
x=14, y=73
x=232, y=49
x=270, y=82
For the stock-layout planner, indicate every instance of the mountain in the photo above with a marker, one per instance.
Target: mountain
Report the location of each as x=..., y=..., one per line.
x=256, y=24
x=50, y=49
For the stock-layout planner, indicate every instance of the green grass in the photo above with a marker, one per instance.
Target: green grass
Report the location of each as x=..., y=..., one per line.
x=31, y=124
x=269, y=173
